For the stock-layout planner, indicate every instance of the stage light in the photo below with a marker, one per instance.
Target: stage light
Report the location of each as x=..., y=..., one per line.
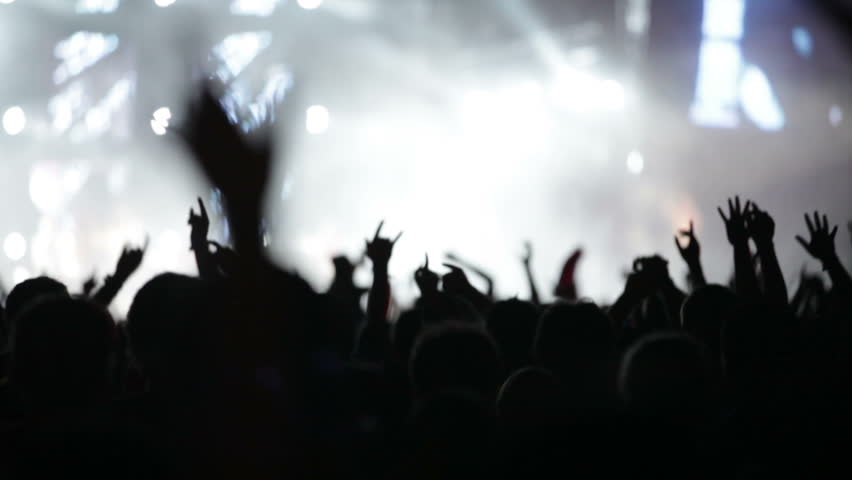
x=7, y=2
x=164, y=3
x=80, y=51
x=260, y=8
x=46, y=188
x=237, y=51
x=15, y=246
x=14, y=120
x=758, y=100
x=635, y=162
x=310, y=4
x=803, y=41
x=96, y=6
x=316, y=119
x=835, y=115
x=20, y=274
x=160, y=122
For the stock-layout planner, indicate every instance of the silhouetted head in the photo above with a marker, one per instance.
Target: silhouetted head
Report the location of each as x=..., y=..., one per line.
x=666, y=375
x=573, y=341
x=62, y=351
x=30, y=290
x=513, y=323
x=703, y=314
x=168, y=324
x=530, y=398
x=455, y=356
x=447, y=308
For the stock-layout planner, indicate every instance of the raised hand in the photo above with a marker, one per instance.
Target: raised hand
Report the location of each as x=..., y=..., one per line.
x=735, y=222
x=379, y=250
x=456, y=281
x=759, y=225
x=128, y=263
x=427, y=280
x=821, y=244
x=526, y=258
x=130, y=260
x=691, y=252
x=200, y=225
x=236, y=164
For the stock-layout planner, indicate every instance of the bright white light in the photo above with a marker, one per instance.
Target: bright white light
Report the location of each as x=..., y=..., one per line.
x=260, y=8
x=310, y=4
x=160, y=122
x=163, y=115
x=99, y=118
x=80, y=51
x=316, y=119
x=96, y=6
x=164, y=3
x=6, y=2
x=723, y=19
x=14, y=120
x=803, y=41
x=581, y=91
x=611, y=95
x=20, y=274
x=835, y=115
x=15, y=246
x=758, y=100
x=158, y=128
x=237, y=51
x=46, y=188
x=635, y=162
x=717, y=87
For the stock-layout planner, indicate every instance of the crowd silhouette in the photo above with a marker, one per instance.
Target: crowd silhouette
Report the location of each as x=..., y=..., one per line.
x=245, y=371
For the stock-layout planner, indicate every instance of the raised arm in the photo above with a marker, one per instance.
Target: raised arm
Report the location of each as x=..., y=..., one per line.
x=691, y=254
x=489, y=280
x=128, y=263
x=761, y=228
x=527, y=260
x=200, y=224
x=745, y=281
x=821, y=247
x=379, y=251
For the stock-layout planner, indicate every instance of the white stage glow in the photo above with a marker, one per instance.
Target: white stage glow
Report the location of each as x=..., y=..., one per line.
x=14, y=120
x=15, y=246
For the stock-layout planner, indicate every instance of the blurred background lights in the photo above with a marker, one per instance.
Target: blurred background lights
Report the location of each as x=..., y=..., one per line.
x=15, y=246
x=635, y=162
x=316, y=119
x=164, y=3
x=802, y=41
x=260, y=8
x=835, y=115
x=6, y=2
x=160, y=122
x=310, y=4
x=14, y=120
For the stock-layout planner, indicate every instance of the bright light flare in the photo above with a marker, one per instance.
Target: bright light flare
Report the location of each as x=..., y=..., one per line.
x=15, y=246
x=164, y=3
x=317, y=119
x=635, y=162
x=14, y=120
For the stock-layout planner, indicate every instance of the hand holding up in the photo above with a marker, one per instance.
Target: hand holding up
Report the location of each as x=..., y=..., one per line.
x=760, y=225
x=427, y=280
x=691, y=252
x=821, y=244
x=130, y=260
x=379, y=250
x=200, y=226
x=735, y=222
